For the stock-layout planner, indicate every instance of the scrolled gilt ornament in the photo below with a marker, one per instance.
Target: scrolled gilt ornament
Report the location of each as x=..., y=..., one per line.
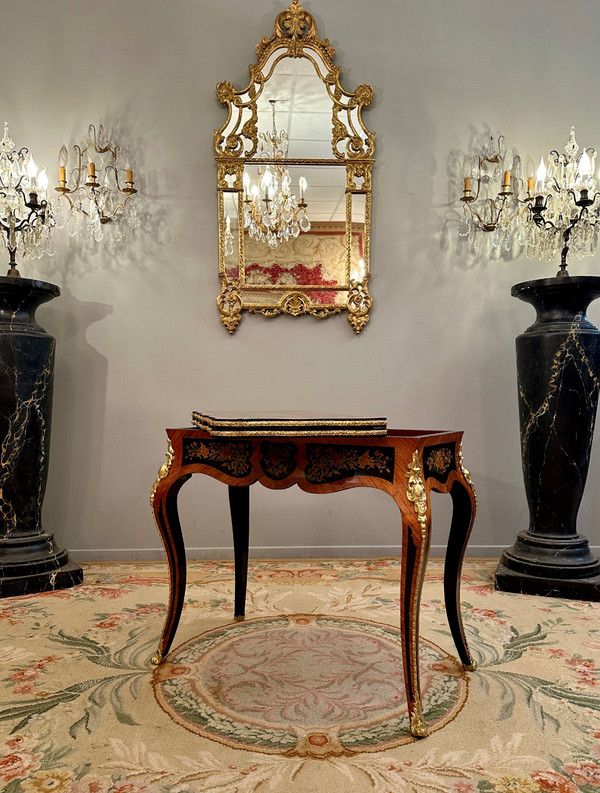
x=163, y=472
x=466, y=473
x=295, y=304
x=416, y=492
x=225, y=92
x=229, y=303
x=294, y=26
x=359, y=170
x=287, y=307
x=418, y=728
x=364, y=94
x=227, y=168
x=360, y=303
x=159, y=655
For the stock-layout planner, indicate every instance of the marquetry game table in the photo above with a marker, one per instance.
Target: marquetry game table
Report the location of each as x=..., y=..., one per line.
x=325, y=457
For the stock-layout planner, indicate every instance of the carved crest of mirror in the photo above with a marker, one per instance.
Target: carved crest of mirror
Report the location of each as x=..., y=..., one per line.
x=294, y=174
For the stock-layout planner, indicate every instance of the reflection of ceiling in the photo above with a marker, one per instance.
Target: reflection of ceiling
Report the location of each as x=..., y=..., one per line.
x=304, y=111
x=303, y=108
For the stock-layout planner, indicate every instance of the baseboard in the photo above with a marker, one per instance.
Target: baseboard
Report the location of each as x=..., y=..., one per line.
x=274, y=552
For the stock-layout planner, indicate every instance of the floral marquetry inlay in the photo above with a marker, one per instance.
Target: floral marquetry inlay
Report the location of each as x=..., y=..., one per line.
x=439, y=460
x=231, y=457
x=326, y=463
x=279, y=459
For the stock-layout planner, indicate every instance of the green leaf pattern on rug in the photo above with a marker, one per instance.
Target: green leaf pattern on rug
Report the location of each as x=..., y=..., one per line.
x=531, y=722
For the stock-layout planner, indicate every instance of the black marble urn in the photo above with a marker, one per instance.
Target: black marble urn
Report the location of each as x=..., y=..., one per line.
x=558, y=365
x=30, y=559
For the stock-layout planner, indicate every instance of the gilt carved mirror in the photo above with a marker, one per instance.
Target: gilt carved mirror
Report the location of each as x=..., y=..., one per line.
x=294, y=174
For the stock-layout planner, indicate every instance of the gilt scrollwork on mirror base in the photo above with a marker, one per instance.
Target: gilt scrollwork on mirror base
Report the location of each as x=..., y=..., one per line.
x=359, y=303
x=295, y=304
x=230, y=305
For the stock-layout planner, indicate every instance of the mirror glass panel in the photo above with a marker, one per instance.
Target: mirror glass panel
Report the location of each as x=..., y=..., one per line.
x=232, y=235
x=357, y=263
x=294, y=163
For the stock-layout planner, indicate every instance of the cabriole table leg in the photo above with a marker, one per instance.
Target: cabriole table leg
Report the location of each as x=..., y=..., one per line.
x=166, y=516
x=463, y=517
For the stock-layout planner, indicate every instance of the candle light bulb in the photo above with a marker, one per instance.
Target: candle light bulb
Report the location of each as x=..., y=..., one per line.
x=467, y=168
x=43, y=180
x=585, y=165
x=63, y=157
x=246, y=183
x=529, y=168
x=31, y=168
x=32, y=174
x=302, y=184
x=541, y=177
x=228, y=223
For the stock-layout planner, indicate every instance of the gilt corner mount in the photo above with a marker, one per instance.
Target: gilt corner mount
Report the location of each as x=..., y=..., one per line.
x=294, y=200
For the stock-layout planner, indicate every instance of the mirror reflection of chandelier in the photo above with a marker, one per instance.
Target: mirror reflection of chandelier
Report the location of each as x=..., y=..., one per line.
x=272, y=213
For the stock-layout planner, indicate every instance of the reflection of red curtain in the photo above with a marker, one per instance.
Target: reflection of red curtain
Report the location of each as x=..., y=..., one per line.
x=300, y=273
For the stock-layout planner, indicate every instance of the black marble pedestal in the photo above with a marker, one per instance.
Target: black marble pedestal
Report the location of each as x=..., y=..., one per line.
x=30, y=559
x=558, y=364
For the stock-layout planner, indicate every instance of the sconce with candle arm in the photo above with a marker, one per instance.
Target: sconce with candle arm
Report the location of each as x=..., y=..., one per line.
x=492, y=196
x=92, y=204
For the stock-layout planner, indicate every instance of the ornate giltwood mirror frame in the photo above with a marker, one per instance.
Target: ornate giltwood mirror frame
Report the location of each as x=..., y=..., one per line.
x=280, y=254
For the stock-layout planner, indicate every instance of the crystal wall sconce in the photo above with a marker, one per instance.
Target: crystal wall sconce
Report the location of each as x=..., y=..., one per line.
x=490, y=197
x=25, y=213
x=97, y=193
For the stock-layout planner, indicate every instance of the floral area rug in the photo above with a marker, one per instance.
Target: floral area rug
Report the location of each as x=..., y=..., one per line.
x=305, y=696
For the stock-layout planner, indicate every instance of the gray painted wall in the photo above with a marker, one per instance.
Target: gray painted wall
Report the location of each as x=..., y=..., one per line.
x=139, y=339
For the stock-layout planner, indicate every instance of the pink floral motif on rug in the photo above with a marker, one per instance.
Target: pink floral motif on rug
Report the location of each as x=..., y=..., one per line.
x=78, y=696
x=305, y=685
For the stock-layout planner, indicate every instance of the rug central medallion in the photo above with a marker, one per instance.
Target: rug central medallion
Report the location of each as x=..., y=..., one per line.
x=304, y=685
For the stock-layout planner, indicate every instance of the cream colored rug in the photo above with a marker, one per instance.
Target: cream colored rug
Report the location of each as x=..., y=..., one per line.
x=306, y=696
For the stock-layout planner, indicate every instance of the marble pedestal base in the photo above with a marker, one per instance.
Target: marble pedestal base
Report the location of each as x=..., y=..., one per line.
x=30, y=559
x=558, y=363
x=508, y=580
x=35, y=564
